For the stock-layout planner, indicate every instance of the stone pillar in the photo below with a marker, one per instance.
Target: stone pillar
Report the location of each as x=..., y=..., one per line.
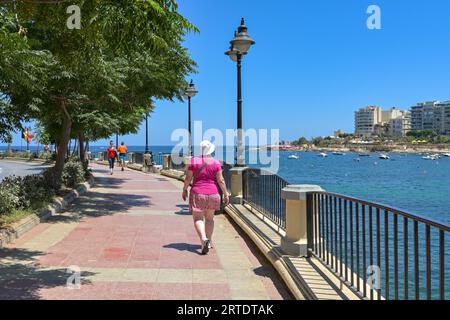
x=237, y=185
x=295, y=242
x=147, y=165
x=130, y=157
x=166, y=162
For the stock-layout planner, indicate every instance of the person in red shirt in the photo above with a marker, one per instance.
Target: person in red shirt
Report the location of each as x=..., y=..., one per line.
x=112, y=155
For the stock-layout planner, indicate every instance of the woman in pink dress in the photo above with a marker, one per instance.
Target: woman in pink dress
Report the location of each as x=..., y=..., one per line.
x=205, y=173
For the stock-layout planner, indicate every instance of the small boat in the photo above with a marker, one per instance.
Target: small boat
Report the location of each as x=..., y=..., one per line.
x=446, y=155
x=431, y=157
x=294, y=157
x=338, y=153
x=364, y=155
x=357, y=159
x=323, y=155
x=384, y=157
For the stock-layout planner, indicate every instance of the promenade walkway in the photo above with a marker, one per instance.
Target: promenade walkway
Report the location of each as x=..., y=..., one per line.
x=132, y=237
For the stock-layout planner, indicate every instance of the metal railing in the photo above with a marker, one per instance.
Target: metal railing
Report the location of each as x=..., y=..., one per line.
x=158, y=159
x=262, y=191
x=401, y=254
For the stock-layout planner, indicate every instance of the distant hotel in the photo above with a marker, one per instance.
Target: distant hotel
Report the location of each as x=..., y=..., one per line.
x=373, y=120
x=433, y=115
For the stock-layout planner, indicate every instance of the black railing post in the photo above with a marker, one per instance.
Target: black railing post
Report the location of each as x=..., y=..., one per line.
x=310, y=224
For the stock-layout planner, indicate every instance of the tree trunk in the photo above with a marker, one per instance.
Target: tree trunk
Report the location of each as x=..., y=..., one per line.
x=62, y=143
x=82, y=148
x=75, y=147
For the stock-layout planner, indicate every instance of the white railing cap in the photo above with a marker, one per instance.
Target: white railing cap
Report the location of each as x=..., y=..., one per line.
x=298, y=191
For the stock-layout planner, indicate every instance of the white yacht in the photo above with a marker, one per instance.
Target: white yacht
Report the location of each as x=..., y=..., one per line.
x=384, y=156
x=430, y=157
x=446, y=155
x=323, y=155
x=294, y=157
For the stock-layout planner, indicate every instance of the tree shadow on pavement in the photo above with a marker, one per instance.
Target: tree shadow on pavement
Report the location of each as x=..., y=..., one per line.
x=96, y=204
x=21, y=279
x=184, y=210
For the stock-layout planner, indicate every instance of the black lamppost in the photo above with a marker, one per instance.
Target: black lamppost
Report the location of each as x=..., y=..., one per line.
x=240, y=45
x=146, y=134
x=189, y=93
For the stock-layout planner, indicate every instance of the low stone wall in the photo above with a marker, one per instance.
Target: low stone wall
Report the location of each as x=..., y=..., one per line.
x=175, y=174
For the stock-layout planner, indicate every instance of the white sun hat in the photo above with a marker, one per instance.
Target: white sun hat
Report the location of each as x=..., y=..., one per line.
x=207, y=147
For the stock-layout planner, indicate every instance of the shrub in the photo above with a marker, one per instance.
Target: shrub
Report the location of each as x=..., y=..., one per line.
x=10, y=195
x=36, y=190
x=30, y=192
x=73, y=173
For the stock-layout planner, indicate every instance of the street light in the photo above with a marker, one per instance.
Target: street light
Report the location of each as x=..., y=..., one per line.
x=240, y=45
x=190, y=92
x=146, y=134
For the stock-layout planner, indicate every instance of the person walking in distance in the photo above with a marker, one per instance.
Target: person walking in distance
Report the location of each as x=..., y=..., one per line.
x=205, y=173
x=112, y=155
x=122, y=154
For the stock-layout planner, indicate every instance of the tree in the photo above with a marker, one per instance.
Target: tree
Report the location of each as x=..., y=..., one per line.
x=301, y=141
x=20, y=70
x=104, y=74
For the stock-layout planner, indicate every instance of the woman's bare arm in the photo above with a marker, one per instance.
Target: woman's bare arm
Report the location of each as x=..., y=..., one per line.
x=187, y=182
x=221, y=182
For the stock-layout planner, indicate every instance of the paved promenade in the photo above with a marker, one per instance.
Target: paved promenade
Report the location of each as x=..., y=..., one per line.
x=132, y=238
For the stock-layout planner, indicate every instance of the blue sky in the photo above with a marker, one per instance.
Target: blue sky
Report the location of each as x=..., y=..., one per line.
x=314, y=64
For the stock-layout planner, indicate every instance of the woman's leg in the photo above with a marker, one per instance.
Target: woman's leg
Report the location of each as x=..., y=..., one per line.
x=199, y=224
x=209, y=223
x=110, y=165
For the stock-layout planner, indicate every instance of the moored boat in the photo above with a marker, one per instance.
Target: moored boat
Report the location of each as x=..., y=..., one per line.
x=384, y=156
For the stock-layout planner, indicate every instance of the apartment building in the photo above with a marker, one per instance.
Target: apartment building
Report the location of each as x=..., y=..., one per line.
x=400, y=125
x=431, y=115
x=442, y=118
x=366, y=119
x=374, y=121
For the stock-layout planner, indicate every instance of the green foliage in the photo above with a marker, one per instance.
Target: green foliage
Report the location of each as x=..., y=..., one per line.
x=10, y=195
x=422, y=134
x=32, y=191
x=442, y=139
x=95, y=81
x=301, y=141
x=73, y=173
x=23, y=192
